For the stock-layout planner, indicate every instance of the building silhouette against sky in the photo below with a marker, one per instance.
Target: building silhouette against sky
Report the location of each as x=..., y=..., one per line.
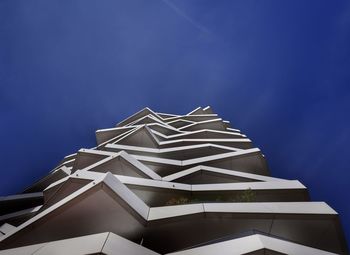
x=162, y=183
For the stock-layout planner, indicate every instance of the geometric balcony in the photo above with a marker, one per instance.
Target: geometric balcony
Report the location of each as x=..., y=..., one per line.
x=162, y=183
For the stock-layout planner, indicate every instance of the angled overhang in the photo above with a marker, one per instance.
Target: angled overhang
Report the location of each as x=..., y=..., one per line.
x=180, y=123
x=156, y=192
x=144, y=112
x=215, y=124
x=93, y=202
x=181, y=152
x=240, y=174
x=144, y=213
x=253, y=243
x=108, y=134
x=117, y=163
x=20, y=216
x=143, y=135
x=279, y=208
x=250, y=160
x=9, y=204
x=194, y=117
x=111, y=244
x=203, y=133
x=103, y=243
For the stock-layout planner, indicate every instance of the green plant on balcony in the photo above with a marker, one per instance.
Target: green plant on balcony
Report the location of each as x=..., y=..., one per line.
x=246, y=196
x=178, y=201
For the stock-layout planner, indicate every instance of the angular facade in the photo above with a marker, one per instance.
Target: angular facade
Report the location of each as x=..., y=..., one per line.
x=168, y=184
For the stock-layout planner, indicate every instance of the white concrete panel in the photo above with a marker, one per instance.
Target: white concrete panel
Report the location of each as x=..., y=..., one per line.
x=5, y=228
x=157, y=213
x=74, y=246
x=277, y=207
x=233, y=247
x=116, y=245
x=252, y=243
x=25, y=250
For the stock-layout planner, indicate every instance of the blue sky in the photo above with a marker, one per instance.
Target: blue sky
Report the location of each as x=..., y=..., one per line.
x=278, y=70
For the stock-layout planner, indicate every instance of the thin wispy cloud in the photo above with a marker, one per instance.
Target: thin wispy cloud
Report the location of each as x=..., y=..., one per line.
x=186, y=17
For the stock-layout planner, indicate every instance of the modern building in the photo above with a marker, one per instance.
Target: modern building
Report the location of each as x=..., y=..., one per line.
x=168, y=184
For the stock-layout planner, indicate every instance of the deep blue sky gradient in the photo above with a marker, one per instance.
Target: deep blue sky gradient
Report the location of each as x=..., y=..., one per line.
x=278, y=70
